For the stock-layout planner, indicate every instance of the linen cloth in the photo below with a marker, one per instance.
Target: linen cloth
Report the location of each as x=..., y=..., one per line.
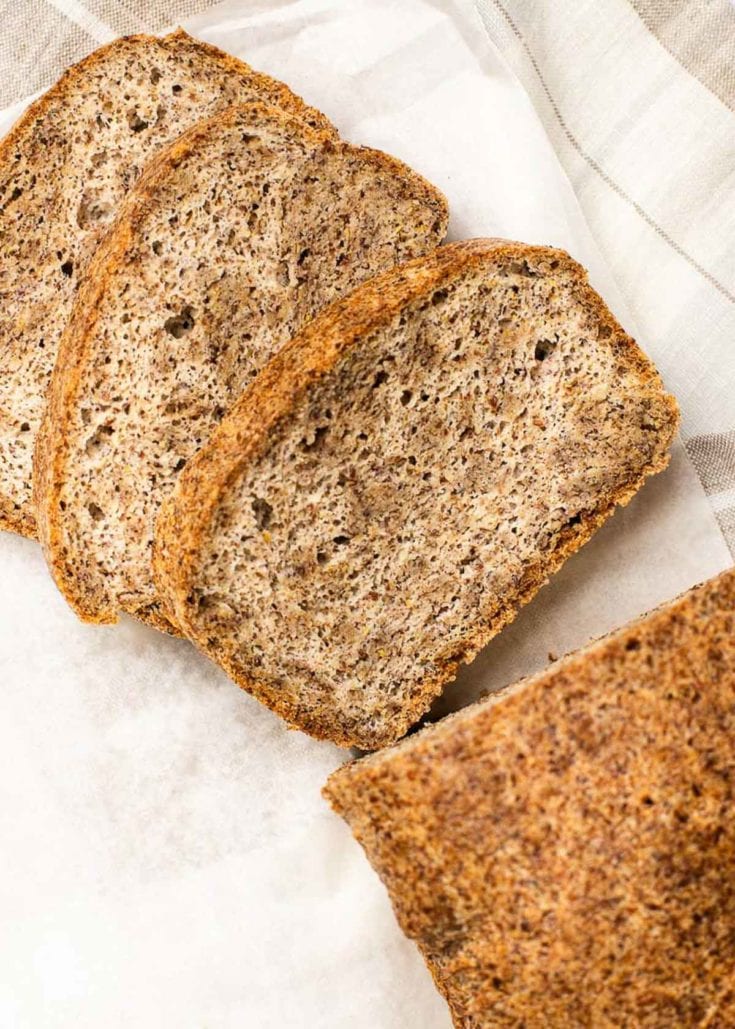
x=165, y=856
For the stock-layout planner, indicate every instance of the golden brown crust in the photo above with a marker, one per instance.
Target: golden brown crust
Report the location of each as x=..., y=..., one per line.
x=277, y=93
x=566, y=856
x=184, y=521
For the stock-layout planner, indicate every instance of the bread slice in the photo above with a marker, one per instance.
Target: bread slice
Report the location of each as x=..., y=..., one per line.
x=64, y=168
x=402, y=478
x=564, y=855
x=231, y=241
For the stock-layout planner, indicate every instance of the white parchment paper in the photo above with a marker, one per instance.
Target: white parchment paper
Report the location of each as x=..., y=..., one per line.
x=166, y=859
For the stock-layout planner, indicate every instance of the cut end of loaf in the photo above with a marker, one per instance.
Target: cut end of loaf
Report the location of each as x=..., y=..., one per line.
x=571, y=844
x=422, y=459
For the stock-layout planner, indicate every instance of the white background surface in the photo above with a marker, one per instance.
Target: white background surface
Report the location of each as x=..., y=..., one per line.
x=166, y=859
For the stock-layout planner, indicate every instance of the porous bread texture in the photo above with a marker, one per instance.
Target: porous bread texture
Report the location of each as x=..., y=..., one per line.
x=566, y=856
x=231, y=241
x=64, y=168
x=402, y=478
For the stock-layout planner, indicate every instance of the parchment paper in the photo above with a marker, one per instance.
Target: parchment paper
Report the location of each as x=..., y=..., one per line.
x=166, y=859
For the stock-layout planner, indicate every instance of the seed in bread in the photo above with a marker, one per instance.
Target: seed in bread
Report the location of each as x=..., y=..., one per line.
x=64, y=168
x=564, y=854
x=233, y=238
x=403, y=477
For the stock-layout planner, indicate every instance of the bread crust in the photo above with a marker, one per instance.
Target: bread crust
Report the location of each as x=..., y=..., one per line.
x=593, y=759
x=22, y=520
x=184, y=521
x=54, y=443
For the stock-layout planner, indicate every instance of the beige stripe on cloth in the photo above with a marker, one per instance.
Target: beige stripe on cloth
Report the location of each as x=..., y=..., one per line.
x=41, y=38
x=698, y=33
x=714, y=459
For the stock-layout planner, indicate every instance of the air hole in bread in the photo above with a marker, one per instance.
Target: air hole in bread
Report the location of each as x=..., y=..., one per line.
x=180, y=324
x=67, y=268
x=93, y=211
x=98, y=439
x=95, y=512
x=316, y=440
x=263, y=513
x=521, y=268
x=544, y=348
x=136, y=123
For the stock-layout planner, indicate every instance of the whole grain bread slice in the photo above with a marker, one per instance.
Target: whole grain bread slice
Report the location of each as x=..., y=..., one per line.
x=64, y=168
x=402, y=478
x=233, y=238
x=564, y=853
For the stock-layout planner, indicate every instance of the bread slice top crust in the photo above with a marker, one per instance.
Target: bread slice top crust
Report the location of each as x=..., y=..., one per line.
x=403, y=477
x=564, y=855
x=64, y=168
x=234, y=237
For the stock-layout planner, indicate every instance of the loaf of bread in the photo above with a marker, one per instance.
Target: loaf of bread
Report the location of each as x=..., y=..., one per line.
x=64, y=168
x=233, y=238
x=564, y=853
x=402, y=478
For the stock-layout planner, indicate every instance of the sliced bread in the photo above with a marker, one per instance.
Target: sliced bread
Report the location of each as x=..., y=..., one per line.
x=564, y=853
x=233, y=238
x=64, y=168
x=402, y=478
